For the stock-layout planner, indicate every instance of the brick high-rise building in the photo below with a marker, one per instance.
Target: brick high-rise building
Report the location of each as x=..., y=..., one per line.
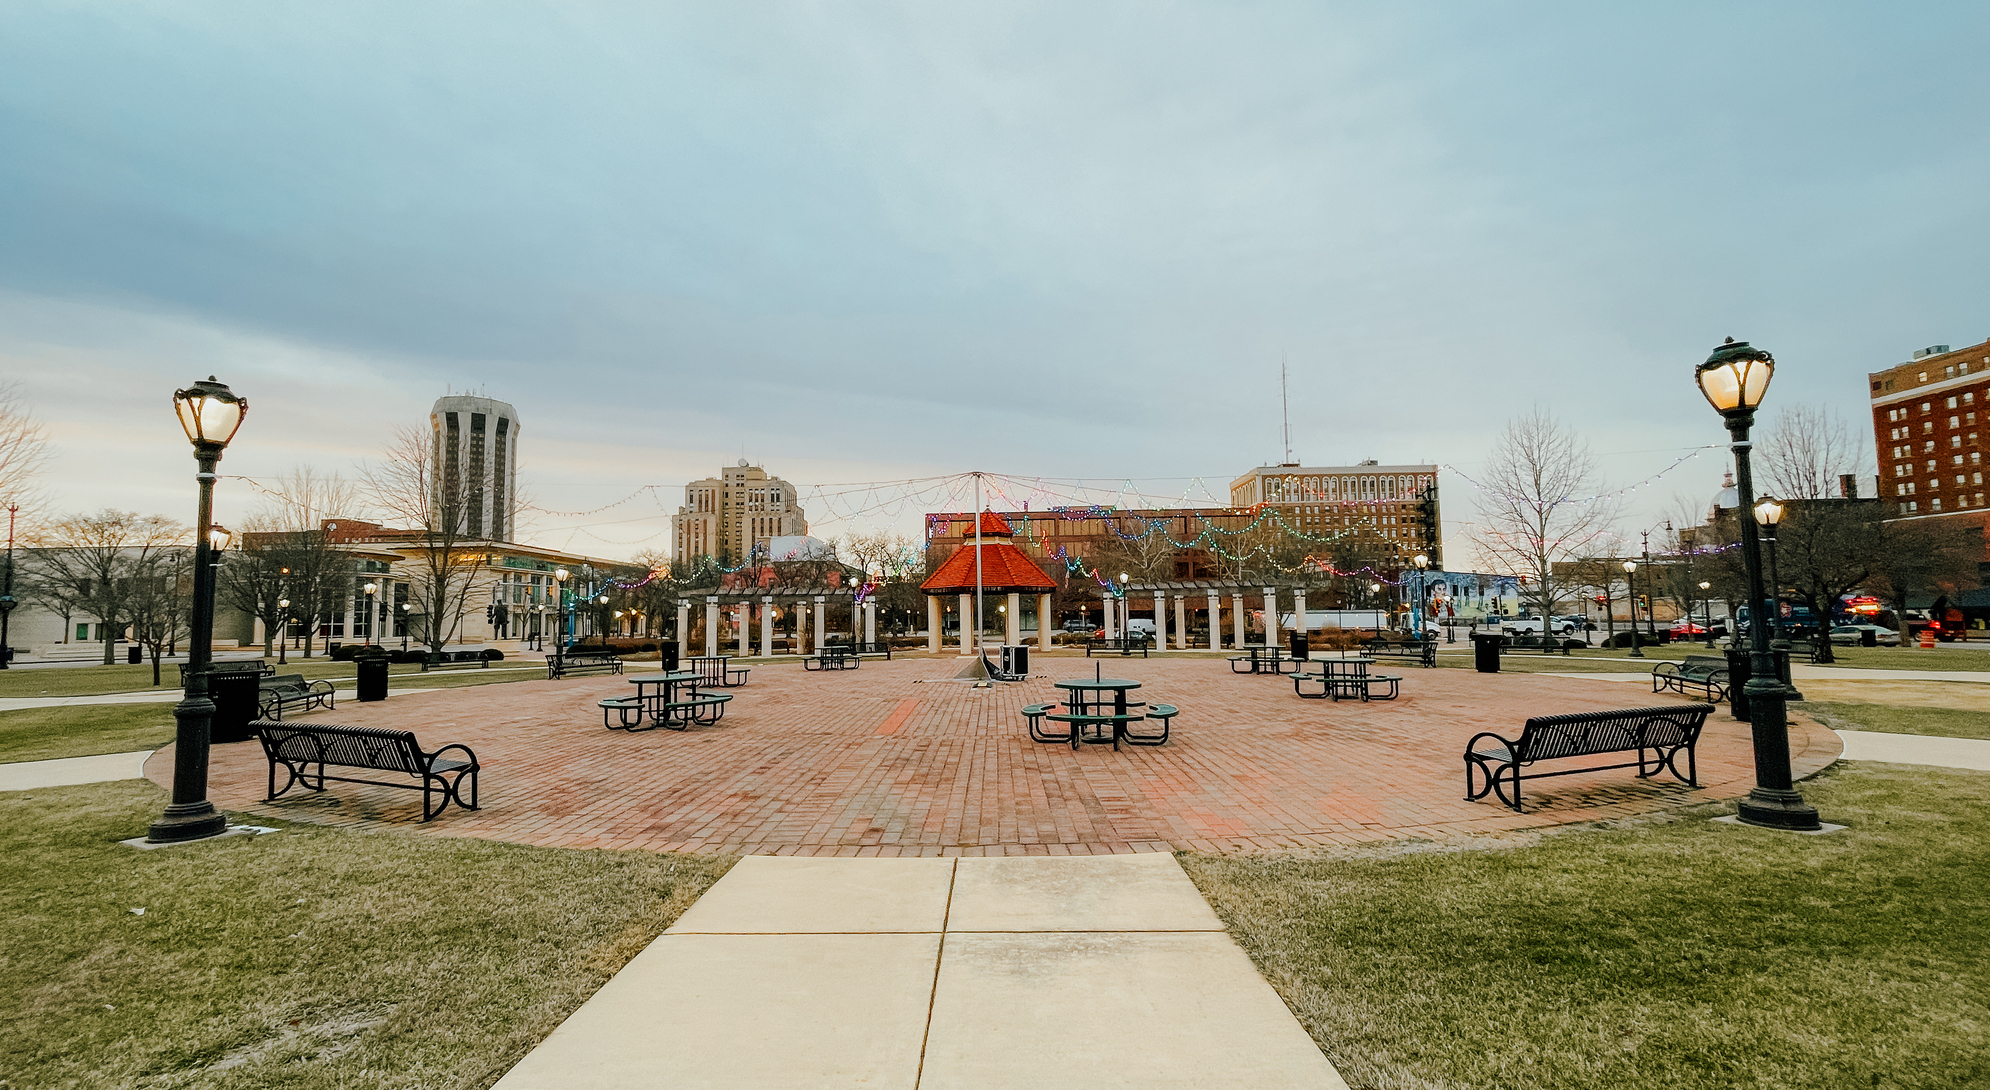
x=1393, y=507
x=1931, y=416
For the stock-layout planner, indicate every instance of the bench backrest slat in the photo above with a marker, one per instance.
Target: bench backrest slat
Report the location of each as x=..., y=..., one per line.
x=360, y=747
x=1549, y=736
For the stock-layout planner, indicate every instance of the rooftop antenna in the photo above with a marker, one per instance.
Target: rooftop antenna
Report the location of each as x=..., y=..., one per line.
x=1285, y=407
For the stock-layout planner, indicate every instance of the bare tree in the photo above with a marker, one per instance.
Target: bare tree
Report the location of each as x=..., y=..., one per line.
x=1541, y=507
x=403, y=487
x=287, y=554
x=1940, y=556
x=23, y=453
x=92, y=562
x=1805, y=450
x=160, y=603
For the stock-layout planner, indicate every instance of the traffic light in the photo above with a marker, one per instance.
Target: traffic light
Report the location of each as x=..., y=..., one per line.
x=1427, y=518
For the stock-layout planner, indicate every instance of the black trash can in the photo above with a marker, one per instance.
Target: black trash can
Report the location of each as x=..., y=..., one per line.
x=134, y=654
x=667, y=656
x=1485, y=651
x=372, y=680
x=1868, y=638
x=1739, y=670
x=1298, y=646
x=236, y=694
x=1016, y=659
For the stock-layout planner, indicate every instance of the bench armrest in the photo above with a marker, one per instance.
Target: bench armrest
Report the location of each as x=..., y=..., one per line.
x=429, y=759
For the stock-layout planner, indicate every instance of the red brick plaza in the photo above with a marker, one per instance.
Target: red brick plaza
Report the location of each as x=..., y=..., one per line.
x=897, y=759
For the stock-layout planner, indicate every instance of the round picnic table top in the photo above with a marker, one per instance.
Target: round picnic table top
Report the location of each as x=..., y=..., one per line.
x=659, y=679
x=1099, y=683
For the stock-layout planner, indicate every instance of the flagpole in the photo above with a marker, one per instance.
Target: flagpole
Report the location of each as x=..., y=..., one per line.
x=977, y=564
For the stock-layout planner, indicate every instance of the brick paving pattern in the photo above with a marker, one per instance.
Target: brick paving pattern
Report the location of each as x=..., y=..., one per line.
x=897, y=759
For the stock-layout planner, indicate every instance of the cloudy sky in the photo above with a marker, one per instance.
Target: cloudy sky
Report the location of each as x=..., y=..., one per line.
x=866, y=242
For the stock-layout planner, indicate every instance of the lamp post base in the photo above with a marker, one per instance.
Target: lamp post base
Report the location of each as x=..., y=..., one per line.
x=1777, y=809
x=188, y=821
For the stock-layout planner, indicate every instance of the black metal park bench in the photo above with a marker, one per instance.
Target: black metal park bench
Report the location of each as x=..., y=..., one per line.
x=1706, y=673
x=446, y=660
x=1124, y=645
x=1421, y=652
x=560, y=664
x=276, y=695
x=1664, y=733
x=299, y=747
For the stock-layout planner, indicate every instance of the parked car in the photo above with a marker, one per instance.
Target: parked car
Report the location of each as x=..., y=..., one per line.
x=1683, y=629
x=1847, y=635
x=1542, y=626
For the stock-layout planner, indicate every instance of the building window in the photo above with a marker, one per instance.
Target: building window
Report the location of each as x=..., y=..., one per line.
x=1935, y=504
x=1911, y=505
x=1927, y=406
x=1951, y=402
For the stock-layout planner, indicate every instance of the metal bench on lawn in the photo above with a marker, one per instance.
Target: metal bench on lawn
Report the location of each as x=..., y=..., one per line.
x=297, y=747
x=1707, y=673
x=276, y=694
x=1422, y=652
x=582, y=662
x=1666, y=733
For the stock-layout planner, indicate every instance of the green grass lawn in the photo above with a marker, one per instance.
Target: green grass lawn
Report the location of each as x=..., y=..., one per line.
x=99, y=680
x=40, y=734
x=1669, y=952
x=310, y=959
x=1619, y=660
x=1945, y=722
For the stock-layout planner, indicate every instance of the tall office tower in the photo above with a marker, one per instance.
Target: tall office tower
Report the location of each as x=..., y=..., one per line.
x=475, y=466
x=1928, y=435
x=736, y=513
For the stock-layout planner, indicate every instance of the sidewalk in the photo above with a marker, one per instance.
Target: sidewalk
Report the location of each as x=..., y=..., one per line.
x=1035, y=972
x=70, y=771
x=1917, y=749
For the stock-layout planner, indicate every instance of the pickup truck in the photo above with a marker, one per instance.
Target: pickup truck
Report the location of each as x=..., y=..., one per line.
x=1541, y=626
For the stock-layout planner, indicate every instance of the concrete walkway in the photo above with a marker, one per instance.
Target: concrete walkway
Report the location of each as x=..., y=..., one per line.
x=1040, y=972
x=148, y=696
x=70, y=771
x=1917, y=749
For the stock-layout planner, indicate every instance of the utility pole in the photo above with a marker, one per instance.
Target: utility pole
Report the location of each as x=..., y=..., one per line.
x=7, y=594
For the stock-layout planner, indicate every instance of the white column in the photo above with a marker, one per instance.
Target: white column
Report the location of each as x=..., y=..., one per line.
x=1271, y=616
x=1013, y=631
x=933, y=623
x=1109, y=616
x=1160, y=621
x=684, y=626
x=1215, y=621
x=766, y=626
x=870, y=620
x=1181, y=622
x=714, y=645
x=1237, y=617
x=745, y=627
x=819, y=630
x=967, y=622
x=1043, y=622
x=1299, y=612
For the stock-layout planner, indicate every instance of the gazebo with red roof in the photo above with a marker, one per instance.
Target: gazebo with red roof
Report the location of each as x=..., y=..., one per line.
x=1004, y=569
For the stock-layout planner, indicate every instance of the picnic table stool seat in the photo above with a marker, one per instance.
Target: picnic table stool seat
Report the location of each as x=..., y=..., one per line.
x=701, y=708
x=626, y=708
x=1165, y=714
x=1034, y=713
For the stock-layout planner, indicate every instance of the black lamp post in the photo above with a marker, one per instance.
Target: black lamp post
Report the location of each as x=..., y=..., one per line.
x=283, y=630
x=407, y=608
x=1708, y=599
x=560, y=577
x=372, y=614
x=1631, y=593
x=7, y=594
x=210, y=413
x=1768, y=514
x=1734, y=378
x=1422, y=563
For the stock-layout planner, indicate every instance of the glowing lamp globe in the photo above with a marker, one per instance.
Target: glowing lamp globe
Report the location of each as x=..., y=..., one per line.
x=1735, y=377
x=209, y=412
